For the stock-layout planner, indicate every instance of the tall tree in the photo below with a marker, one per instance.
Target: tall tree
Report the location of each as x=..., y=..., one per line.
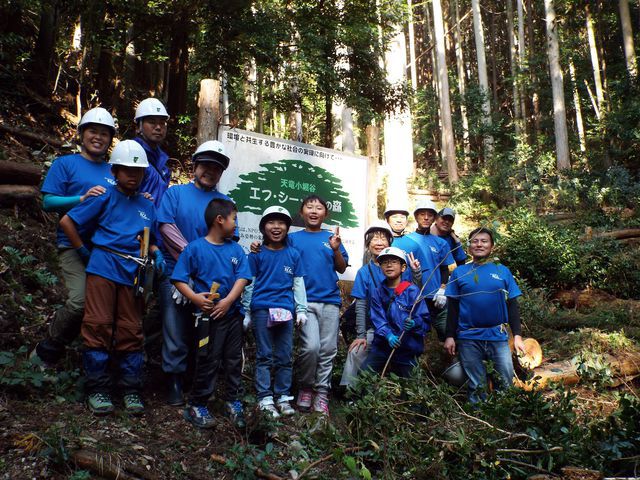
x=513, y=62
x=577, y=106
x=627, y=39
x=448, y=145
x=557, y=86
x=595, y=62
x=478, y=31
x=462, y=88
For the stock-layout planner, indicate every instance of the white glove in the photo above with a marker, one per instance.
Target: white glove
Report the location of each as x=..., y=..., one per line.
x=301, y=319
x=439, y=299
x=178, y=298
x=246, y=322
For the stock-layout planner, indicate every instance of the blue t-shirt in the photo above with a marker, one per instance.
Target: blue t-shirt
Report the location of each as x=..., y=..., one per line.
x=274, y=271
x=321, y=280
x=456, y=250
x=120, y=219
x=205, y=263
x=483, y=291
x=364, y=285
x=157, y=176
x=72, y=176
x=184, y=206
x=434, y=253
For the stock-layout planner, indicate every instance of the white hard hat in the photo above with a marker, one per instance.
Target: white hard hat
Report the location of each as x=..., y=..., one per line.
x=275, y=211
x=379, y=226
x=425, y=205
x=211, y=151
x=129, y=153
x=98, y=116
x=150, y=107
x=393, y=252
x=394, y=207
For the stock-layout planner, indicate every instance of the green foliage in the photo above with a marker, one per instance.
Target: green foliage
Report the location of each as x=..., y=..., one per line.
x=17, y=372
x=243, y=460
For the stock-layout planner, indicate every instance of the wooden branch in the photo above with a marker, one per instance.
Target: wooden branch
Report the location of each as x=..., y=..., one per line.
x=20, y=173
x=527, y=465
x=107, y=466
x=32, y=136
x=258, y=471
x=529, y=452
x=10, y=194
x=324, y=459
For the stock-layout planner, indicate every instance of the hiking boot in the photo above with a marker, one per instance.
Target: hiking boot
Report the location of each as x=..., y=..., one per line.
x=100, y=403
x=321, y=403
x=175, y=397
x=266, y=405
x=305, y=397
x=284, y=407
x=133, y=404
x=199, y=416
x=236, y=414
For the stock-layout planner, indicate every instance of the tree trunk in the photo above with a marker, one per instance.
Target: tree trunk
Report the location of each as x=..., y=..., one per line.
x=521, y=56
x=492, y=57
x=373, y=153
x=448, y=145
x=225, y=102
x=412, y=48
x=535, y=96
x=557, y=86
x=20, y=173
x=577, y=106
x=482, y=73
x=260, y=105
x=250, y=88
x=208, y=110
x=517, y=119
x=328, y=122
x=44, y=49
x=627, y=39
x=595, y=63
x=178, y=63
x=461, y=82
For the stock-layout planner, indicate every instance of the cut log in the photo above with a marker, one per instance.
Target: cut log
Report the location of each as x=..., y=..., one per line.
x=32, y=136
x=20, y=173
x=10, y=194
x=616, y=234
x=105, y=465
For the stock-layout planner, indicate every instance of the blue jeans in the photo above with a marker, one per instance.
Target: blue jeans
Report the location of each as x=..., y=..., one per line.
x=274, y=350
x=473, y=354
x=177, y=330
x=401, y=363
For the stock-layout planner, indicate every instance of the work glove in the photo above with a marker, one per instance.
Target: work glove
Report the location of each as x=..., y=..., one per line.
x=178, y=298
x=160, y=263
x=246, y=322
x=301, y=319
x=409, y=323
x=394, y=341
x=84, y=253
x=439, y=299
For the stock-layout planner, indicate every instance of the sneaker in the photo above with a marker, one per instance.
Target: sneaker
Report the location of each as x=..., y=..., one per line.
x=37, y=360
x=236, y=414
x=305, y=396
x=266, y=405
x=133, y=404
x=321, y=403
x=100, y=403
x=199, y=416
x=284, y=407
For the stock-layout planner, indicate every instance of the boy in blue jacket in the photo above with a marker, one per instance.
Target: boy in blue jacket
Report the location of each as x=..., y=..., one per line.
x=396, y=328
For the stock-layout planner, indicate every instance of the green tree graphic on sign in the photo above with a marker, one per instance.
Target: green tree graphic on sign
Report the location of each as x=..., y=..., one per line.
x=286, y=183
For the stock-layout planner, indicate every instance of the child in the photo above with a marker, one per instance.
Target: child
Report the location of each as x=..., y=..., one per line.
x=277, y=288
x=71, y=180
x=396, y=326
x=215, y=258
x=322, y=256
x=113, y=313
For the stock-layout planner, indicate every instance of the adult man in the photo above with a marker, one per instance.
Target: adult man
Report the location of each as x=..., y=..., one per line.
x=151, y=122
x=442, y=227
x=181, y=219
x=436, y=264
x=482, y=301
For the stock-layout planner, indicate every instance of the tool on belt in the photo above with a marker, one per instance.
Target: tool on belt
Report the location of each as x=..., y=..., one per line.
x=202, y=321
x=143, y=281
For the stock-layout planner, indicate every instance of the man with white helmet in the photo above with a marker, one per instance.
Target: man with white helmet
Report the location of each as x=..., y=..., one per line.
x=112, y=323
x=151, y=123
x=181, y=220
x=73, y=179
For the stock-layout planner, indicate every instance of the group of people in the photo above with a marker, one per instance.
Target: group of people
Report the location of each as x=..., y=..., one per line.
x=209, y=290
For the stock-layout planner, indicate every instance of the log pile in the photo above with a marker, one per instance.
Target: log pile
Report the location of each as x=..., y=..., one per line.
x=19, y=182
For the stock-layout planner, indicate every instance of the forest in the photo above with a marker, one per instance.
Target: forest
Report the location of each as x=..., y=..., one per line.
x=521, y=115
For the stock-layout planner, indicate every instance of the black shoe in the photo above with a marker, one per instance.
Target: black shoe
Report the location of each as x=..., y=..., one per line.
x=175, y=396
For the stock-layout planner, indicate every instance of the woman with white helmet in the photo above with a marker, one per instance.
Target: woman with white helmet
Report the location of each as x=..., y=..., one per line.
x=151, y=122
x=72, y=179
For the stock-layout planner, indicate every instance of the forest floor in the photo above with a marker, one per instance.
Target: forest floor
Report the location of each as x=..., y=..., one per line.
x=46, y=431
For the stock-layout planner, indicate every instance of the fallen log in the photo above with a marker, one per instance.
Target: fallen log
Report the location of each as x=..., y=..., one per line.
x=20, y=173
x=258, y=472
x=615, y=235
x=11, y=194
x=32, y=136
x=624, y=367
x=106, y=465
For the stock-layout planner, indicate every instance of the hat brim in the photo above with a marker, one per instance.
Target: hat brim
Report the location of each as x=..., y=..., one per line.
x=212, y=157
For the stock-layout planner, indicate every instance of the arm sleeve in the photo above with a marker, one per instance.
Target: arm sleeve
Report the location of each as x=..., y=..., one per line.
x=421, y=316
x=444, y=273
x=416, y=277
x=247, y=295
x=513, y=312
x=299, y=295
x=361, y=317
x=453, y=313
x=173, y=239
x=58, y=204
